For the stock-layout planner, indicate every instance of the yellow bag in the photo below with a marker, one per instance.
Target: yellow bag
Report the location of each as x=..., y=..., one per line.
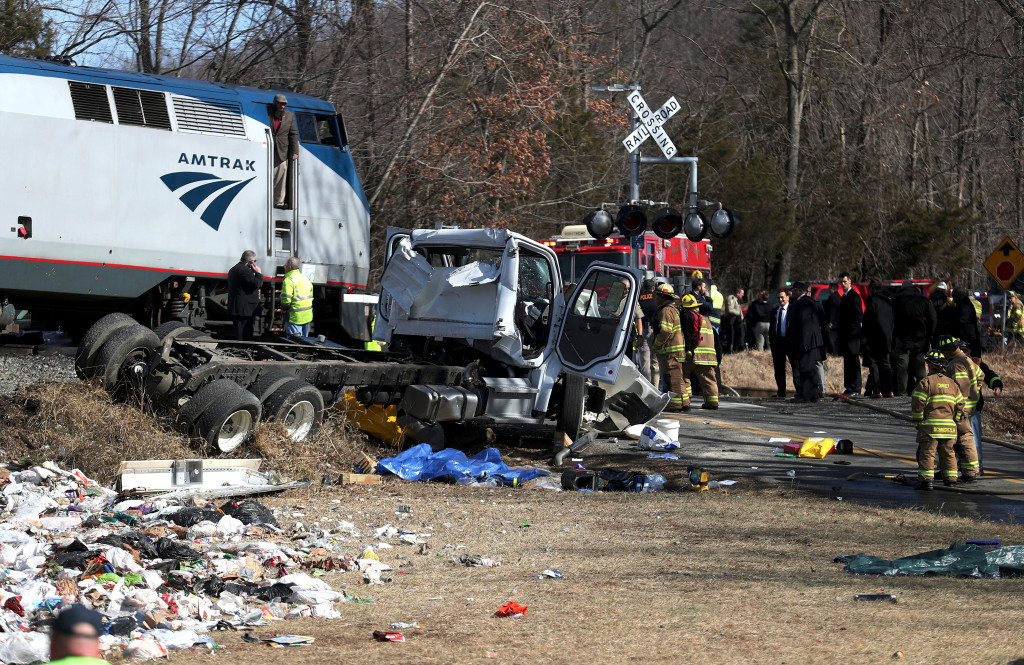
x=816, y=448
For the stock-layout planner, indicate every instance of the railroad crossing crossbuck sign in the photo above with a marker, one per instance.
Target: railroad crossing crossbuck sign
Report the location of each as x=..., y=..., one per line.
x=650, y=124
x=1006, y=263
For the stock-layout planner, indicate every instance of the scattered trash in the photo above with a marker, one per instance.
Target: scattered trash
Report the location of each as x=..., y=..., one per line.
x=511, y=609
x=791, y=449
x=491, y=653
x=898, y=654
x=285, y=640
x=654, y=438
x=401, y=625
x=551, y=574
x=698, y=477
x=611, y=480
x=388, y=636
x=662, y=456
x=815, y=448
x=963, y=560
x=474, y=561
x=875, y=597
x=844, y=447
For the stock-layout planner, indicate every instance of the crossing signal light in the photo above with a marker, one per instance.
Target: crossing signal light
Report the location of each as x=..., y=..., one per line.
x=696, y=226
x=631, y=221
x=722, y=223
x=668, y=223
x=599, y=224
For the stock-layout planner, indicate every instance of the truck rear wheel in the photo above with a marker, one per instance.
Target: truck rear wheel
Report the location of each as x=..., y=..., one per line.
x=229, y=421
x=165, y=329
x=123, y=358
x=93, y=340
x=570, y=416
x=189, y=413
x=298, y=406
x=268, y=383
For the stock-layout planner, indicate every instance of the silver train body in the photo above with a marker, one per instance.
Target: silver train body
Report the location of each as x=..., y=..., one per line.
x=134, y=192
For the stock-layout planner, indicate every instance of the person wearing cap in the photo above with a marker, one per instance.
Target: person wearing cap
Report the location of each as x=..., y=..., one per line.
x=936, y=406
x=969, y=379
x=913, y=326
x=701, y=358
x=74, y=639
x=1015, y=317
x=286, y=147
x=669, y=347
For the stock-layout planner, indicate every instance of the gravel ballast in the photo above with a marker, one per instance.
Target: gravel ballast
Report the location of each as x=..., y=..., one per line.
x=18, y=372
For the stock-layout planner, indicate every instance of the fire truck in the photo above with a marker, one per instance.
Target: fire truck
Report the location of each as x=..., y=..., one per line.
x=670, y=258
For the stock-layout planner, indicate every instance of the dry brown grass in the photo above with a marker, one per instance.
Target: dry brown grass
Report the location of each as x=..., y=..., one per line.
x=78, y=425
x=744, y=576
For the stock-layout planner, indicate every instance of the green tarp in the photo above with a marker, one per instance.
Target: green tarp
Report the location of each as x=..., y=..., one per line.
x=967, y=560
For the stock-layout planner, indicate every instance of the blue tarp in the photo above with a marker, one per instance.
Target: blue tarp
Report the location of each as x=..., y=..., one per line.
x=421, y=463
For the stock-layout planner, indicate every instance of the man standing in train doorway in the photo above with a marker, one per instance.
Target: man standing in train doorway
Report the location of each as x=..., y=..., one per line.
x=286, y=148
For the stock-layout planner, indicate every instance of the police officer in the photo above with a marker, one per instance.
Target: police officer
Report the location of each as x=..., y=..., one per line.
x=297, y=298
x=936, y=406
x=649, y=309
x=969, y=379
x=669, y=348
x=700, y=351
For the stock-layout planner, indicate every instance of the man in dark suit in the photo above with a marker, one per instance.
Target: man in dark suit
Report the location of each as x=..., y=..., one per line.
x=777, y=330
x=879, y=321
x=286, y=147
x=807, y=340
x=244, y=281
x=848, y=332
x=913, y=326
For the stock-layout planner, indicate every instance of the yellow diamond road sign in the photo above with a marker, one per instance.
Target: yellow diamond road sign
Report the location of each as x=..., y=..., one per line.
x=1006, y=263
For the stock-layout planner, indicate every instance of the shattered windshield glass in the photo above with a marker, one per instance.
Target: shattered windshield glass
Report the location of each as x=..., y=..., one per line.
x=454, y=257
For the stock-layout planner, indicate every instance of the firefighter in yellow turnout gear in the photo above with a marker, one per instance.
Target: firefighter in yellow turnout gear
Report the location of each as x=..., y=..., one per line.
x=700, y=352
x=969, y=379
x=936, y=406
x=669, y=348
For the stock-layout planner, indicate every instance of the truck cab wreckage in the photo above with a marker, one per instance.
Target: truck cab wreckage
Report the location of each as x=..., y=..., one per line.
x=478, y=333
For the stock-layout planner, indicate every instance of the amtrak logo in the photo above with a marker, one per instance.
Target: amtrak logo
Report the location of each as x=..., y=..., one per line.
x=203, y=186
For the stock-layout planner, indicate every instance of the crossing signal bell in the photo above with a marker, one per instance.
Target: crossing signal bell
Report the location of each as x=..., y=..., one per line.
x=668, y=223
x=631, y=221
x=722, y=223
x=696, y=226
x=599, y=224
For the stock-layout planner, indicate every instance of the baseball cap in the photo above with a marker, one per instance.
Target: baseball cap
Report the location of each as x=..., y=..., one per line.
x=69, y=619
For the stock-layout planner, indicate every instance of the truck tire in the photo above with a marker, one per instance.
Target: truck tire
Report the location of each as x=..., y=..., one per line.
x=165, y=329
x=189, y=413
x=120, y=360
x=268, y=383
x=93, y=339
x=229, y=421
x=570, y=416
x=298, y=406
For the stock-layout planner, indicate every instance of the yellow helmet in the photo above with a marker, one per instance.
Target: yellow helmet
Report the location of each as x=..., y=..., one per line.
x=689, y=301
x=665, y=290
x=696, y=274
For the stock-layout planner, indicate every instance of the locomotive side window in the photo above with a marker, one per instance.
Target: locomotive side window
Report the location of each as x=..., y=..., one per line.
x=317, y=128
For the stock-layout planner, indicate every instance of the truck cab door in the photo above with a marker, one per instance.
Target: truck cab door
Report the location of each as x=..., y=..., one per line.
x=385, y=302
x=596, y=323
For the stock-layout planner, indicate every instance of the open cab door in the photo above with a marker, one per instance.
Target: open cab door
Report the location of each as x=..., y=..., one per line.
x=385, y=300
x=595, y=326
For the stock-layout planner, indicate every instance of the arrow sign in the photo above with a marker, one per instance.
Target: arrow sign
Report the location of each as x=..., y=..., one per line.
x=650, y=124
x=1007, y=248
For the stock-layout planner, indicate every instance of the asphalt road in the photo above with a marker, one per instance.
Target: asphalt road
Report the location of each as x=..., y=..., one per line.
x=736, y=441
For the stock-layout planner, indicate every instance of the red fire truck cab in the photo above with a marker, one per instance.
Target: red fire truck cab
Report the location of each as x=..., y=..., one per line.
x=676, y=257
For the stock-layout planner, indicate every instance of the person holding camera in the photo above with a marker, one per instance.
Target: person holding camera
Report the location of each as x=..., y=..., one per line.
x=244, y=281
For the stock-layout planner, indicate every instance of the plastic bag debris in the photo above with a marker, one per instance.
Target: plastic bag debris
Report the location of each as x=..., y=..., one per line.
x=249, y=512
x=422, y=463
x=474, y=561
x=511, y=609
x=145, y=649
x=24, y=647
x=655, y=439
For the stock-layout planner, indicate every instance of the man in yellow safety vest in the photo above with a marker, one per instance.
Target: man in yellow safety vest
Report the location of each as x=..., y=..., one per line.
x=297, y=298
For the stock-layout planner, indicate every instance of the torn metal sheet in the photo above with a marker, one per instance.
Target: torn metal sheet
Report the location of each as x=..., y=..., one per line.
x=406, y=276
x=475, y=273
x=232, y=491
